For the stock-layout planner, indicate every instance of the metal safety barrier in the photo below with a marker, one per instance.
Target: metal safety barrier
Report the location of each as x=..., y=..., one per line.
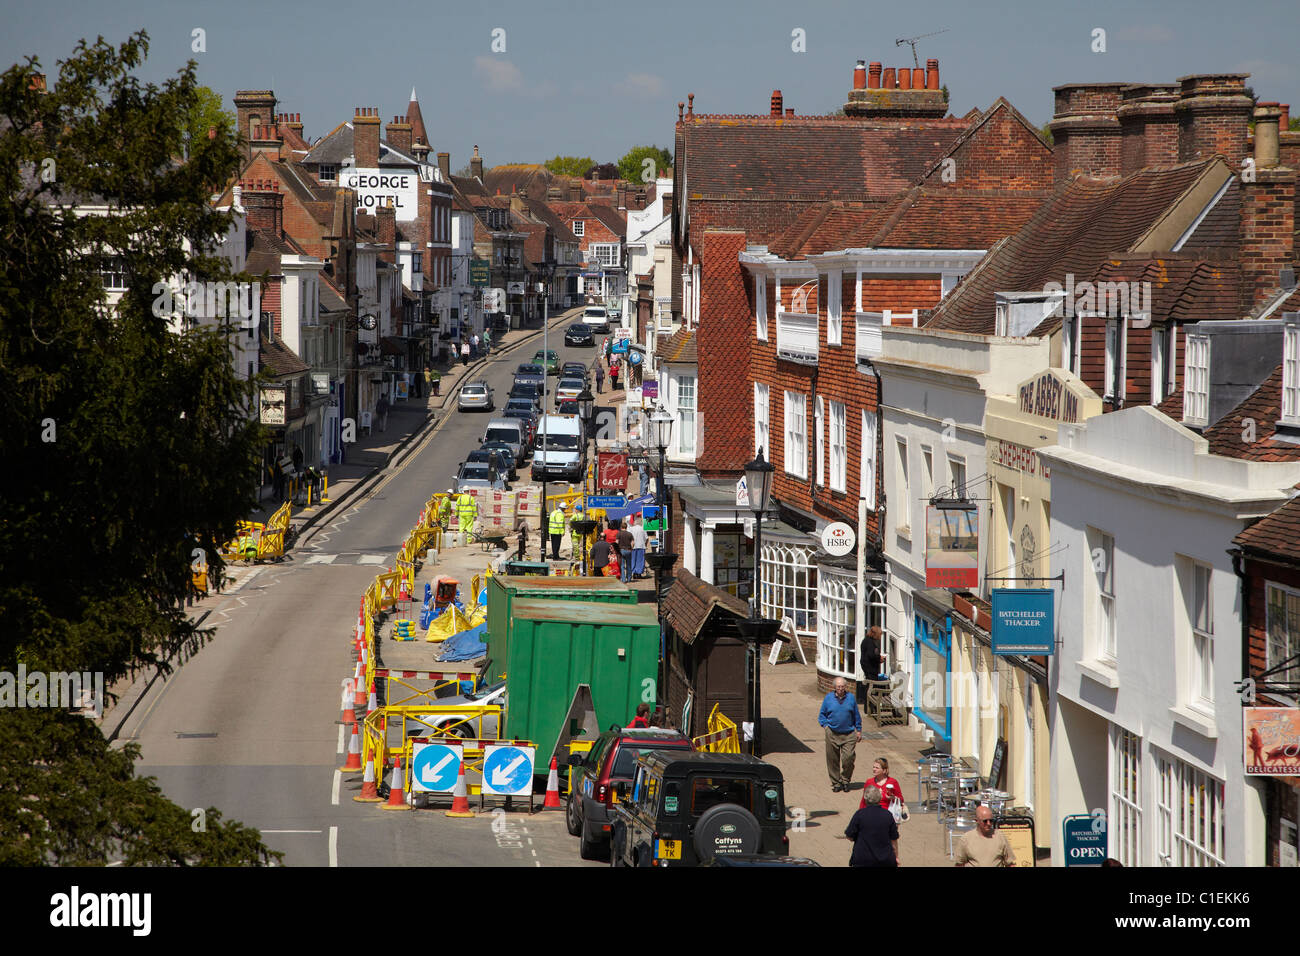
x=722, y=737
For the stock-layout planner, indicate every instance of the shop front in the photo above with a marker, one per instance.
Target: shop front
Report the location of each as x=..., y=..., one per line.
x=932, y=662
x=838, y=653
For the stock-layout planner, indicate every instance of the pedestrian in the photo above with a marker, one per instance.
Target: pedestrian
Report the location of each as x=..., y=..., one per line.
x=487, y=341
x=600, y=377
x=638, y=546
x=625, y=545
x=418, y=379
x=556, y=530
x=464, y=352
x=891, y=790
x=473, y=345
x=522, y=528
x=872, y=662
x=600, y=555
x=435, y=379
x=576, y=537
x=613, y=375
x=466, y=513
x=874, y=834
x=644, y=472
x=277, y=481
x=297, y=458
x=839, y=715
x=642, y=718
x=382, y=410
x=984, y=846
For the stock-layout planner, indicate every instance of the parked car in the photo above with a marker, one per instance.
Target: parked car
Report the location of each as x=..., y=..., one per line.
x=569, y=388
x=511, y=470
x=684, y=808
x=558, y=449
x=595, y=774
x=550, y=360
x=479, y=474
x=596, y=318
x=512, y=432
x=579, y=334
x=476, y=396
x=499, y=457
x=530, y=372
x=575, y=370
x=529, y=390
x=568, y=407
x=615, y=314
x=466, y=726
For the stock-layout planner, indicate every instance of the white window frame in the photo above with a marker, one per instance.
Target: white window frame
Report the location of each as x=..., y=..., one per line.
x=762, y=420
x=1124, y=825
x=1196, y=379
x=903, y=507
x=789, y=585
x=1281, y=639
x=605, y=254
x=796, y=441
x=1200, y=616
x=1190, y=826
x=819, y=428
x=686, y=408
x=1116, y=358
x=1291, y=375
x=579, y=228
x=837, y=623
x=1104, y=625
x=1159, y=362
x=834, y=308
x=760, y=307
x=957, y=467
x=328, y=172
x=839, y=447
x=927, y=472
x=867, y=471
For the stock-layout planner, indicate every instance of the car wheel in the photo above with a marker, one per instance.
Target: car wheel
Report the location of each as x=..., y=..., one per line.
x=586, y=848
x=616, y=849
x=571, y=818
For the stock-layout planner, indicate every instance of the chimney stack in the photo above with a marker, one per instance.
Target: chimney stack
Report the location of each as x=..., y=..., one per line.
x=263, y=204
x=1213, y=113
x=386, y=232
x=1148, y=126
x=873, y=76
x=444, y=165
x=860, y=75
x=476, y=164
x=1268, y=214
x=398, y=134
x=789, y=111
x=365, y=137
x=1267, y=119
x=1085, y=129
x=255, y=113
x=776, y=104
x=932, y=74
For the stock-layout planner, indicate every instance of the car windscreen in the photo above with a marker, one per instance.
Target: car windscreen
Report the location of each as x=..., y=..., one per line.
x=571, y=383
x=520, y=405
x=529, y=370
x=508, y=435
x=625, y=762
x=558, y=442
x=474, y=389
x=475, y=469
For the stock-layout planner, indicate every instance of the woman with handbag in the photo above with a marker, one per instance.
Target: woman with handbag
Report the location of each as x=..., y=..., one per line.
x=891, y=791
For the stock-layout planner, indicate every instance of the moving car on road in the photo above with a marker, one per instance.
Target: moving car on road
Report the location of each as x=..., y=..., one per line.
x=479, y=474
x=530, y=372
x=510, y=431
x=569, y=388
x=477, y=396
x=575, y=370
x=498, y=456
x=558, y=449
x=550, y=360
x=578, y=334
x=596, y=318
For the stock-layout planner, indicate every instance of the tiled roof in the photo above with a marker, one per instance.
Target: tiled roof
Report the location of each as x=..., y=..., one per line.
x=614, y=220
x=1086, y=221
x=265, y=251
x=279, y=359
x=1262, y=407
x=331, y=299
x=691, y=601
x=524, y=178
x=1221, y=225
x=678, y=348
x=1276, y=534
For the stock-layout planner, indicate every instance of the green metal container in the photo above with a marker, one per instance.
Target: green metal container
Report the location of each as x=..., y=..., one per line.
x=554, y=646
x=503, y=589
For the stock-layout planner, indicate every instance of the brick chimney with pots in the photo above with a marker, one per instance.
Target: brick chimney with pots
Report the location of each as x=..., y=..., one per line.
x=903, y=93
x=1148, y=126
x=264, y=205
x=294, y=123
x=476, y=164
x=776, y=104
x=365, y=137
x=932, y=74
x=1268, y=215
x=873, y=76
x=398, y=134
x=1085, y=129
x=444, y=165
x=386, y=232
x=860, y=75
x=1213, y=113
x=1288, y=140
x=255, y=113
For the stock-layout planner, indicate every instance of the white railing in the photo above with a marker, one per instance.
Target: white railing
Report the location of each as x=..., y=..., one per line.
x=796, y=336
x=868, y=337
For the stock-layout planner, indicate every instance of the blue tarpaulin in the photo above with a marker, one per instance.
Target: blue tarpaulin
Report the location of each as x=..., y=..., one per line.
x=466, y=645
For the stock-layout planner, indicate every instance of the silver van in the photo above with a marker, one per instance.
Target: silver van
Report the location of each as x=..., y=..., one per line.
x=510, y=431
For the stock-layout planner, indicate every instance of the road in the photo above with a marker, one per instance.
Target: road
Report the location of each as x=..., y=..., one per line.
x=249, y=724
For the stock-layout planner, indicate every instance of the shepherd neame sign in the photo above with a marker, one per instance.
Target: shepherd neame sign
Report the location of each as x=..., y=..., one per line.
x=377, y=188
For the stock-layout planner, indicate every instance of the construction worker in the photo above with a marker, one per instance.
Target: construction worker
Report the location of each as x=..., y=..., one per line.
x=574, y=536
x=466, y=512
x=443, y=509
x=557, y=530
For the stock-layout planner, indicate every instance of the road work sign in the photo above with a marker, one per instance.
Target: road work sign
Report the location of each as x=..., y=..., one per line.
x=435, y=767
x=508, y=771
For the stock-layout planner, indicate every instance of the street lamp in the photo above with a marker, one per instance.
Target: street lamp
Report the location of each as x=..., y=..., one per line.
x=586, y=408
x=758, y=630
x=660, y=434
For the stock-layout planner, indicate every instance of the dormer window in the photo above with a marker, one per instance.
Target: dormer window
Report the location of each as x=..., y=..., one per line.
x=579, y=228
x=328, y=173
x=1291, y=374
x=1196, y=381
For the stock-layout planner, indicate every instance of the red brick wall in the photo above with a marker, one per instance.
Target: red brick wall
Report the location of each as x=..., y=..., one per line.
x=1257, y=573
x=271, y=301
x=1267, y=232
x=1001, y=154
x=724, y=339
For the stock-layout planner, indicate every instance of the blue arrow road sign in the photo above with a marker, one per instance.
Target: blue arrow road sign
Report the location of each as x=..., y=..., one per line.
x=435, y=767
x=508, y=771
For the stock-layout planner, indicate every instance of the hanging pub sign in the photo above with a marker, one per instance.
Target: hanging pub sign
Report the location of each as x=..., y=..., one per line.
x=1023, y=622
x=479, y=272
x=1272, y=741
x=611, y=471
x=952, y=547
x=515, y=288
x=272, y=404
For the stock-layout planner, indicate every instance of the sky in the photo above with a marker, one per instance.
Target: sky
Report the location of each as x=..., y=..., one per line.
x=529, y=80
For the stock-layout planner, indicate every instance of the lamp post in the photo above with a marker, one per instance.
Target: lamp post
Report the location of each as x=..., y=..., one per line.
x=586, y=408
x=660, y=434
x=548, y=268
x=758, y=630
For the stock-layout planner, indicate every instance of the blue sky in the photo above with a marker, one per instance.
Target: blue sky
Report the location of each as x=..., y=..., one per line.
x=589, y=78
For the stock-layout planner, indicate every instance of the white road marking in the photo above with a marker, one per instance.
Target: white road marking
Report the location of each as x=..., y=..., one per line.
x=334, y=845
x=341, y=728
x=338, y=779
x=371, y=559
x=321, y=559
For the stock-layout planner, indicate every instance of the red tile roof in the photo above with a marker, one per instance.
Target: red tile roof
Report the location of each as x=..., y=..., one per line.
x=1230, y=436
x=678, y=348
x=1277, y=534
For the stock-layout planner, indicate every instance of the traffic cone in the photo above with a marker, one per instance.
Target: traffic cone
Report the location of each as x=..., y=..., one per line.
x=396, y=796
x=372, y=703
x=354, y=752
x=460, y=797
x=552, y=801
x=369, y=788
x=349, y=708
x=360, y=683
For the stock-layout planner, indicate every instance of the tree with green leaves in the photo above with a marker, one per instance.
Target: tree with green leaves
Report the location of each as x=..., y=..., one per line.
x=207, y=114
x=570, y=165
x=129, y=455
x=634, y=168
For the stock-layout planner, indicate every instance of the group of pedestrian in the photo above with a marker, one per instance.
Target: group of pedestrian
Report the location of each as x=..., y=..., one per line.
x=615, y=368
x=620, y=551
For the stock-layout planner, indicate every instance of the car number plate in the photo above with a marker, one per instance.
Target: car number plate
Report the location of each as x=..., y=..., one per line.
x=669, y=850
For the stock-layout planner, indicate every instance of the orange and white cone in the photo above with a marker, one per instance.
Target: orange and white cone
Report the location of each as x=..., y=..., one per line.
x=460, y=797
x=369, y=788
x=349, y=707
x=396, y=795
x=372, y=702
x=552, y=801
x=354, y=752
x=360, y=700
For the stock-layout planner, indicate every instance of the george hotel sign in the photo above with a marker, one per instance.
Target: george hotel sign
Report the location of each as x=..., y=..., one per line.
x=377, y=188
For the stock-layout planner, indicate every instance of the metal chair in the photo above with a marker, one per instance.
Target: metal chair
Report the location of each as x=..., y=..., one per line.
x=962, y=823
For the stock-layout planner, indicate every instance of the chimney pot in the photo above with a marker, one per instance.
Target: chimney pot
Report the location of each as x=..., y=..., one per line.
x=873, y=76
x=904, y=78
x=1266, y=130
x=776, y=103
x=789, y=111
x=918, y=78
x=860, y=75
x=1284, y=121
x=887, y=81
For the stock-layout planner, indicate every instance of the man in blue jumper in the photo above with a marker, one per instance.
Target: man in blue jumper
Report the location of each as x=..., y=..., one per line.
x=843, y=723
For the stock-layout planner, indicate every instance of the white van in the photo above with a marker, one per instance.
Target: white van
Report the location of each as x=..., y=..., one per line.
x=596, y=317
x=558, y=449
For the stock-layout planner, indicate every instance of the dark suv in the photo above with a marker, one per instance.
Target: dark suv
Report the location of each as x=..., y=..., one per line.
x=597, y=773
x=685, y=809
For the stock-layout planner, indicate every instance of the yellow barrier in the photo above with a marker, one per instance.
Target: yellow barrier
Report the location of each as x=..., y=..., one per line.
x=721, y=738
x=387, y=584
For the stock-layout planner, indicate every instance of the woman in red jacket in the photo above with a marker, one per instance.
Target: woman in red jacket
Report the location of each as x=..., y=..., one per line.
x=890, y=789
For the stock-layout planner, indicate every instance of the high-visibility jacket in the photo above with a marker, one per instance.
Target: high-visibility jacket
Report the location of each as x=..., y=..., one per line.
x=443, y=512
x=557, y=521
x=466, y=508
